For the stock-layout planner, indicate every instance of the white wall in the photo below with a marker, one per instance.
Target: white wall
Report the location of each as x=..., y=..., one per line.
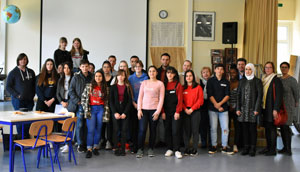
x=296, y=31
x=24, y=36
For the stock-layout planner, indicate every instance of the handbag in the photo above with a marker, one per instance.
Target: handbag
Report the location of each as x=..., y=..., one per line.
x=282, y=114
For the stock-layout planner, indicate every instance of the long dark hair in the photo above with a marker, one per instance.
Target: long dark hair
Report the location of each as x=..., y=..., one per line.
x=103, y=85
x=42, y=78
x=171, y=69
x=194, y=83
x=63, y=77
x=126, y=82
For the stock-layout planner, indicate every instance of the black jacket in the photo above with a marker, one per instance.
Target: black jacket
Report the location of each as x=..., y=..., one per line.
x=270, y=103
x=115, y=105
x=61, y=56
x=21, y=87
x=77, y=85
x=256, y=94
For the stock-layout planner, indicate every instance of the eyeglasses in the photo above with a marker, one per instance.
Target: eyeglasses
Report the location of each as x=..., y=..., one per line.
x=268, y=67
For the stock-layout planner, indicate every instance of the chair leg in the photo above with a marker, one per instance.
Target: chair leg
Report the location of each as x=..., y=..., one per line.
x=71, y=149
x=13, y=157
x=48, y=148
x=56, y=156
x=39, y=157
x=44, y=152
x=69, y=153
x=22, y=151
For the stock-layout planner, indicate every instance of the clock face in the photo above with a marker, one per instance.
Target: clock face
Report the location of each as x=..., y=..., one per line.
x=163, y=14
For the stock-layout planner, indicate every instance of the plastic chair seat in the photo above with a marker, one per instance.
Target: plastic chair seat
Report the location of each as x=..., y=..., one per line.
x=30, y=142
x=56, y=138
x=61, y=121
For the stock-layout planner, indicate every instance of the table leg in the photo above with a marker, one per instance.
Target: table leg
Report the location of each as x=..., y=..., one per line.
x=10, y=147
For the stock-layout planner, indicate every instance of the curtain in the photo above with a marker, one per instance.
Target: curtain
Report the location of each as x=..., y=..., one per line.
x=260, y=34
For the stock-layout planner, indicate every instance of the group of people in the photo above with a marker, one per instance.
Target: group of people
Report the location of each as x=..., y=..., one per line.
x=116, y=107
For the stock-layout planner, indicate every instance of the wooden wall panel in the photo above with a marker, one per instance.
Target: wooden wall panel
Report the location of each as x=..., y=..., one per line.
x=178, y=55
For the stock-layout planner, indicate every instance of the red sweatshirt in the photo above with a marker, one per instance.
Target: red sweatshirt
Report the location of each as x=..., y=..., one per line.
x=193, y=97
x=95, y=96
x=179, y=89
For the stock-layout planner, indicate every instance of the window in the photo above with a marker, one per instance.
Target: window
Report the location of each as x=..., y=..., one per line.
x=284, y=37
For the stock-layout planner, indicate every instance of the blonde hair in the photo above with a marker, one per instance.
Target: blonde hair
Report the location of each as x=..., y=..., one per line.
x=206, y=68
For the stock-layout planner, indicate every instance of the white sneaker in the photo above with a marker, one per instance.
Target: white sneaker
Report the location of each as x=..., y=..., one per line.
x=169, y=153
x=65, y=149
x=108, y=146
x=51, y=145
x=178, y=155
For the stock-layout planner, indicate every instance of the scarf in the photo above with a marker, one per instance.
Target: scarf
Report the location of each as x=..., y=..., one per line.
x=250, y=77
x=204, y=89
x=266, y=80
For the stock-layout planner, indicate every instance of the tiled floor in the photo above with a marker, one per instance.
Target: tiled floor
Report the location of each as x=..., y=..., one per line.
x=107, y=162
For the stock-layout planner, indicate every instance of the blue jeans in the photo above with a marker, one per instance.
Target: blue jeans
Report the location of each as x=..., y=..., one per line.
x=79, y=126
x=223, y=118
x=94, y=125
x=143, y=126
x=17, y=104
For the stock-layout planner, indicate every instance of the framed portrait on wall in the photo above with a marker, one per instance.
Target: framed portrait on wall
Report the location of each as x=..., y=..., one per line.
x=204, y=26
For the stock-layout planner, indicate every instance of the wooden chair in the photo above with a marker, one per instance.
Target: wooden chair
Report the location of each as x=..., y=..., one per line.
x=37, y=129
x=58, y=139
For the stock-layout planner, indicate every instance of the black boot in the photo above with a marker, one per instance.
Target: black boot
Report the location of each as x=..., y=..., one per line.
x=252, y=151
x=289, y=143
x=245, y=150
x=284, y=141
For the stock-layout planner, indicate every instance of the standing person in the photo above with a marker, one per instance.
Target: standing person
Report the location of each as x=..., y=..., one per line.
x=63, y=85
x=20, y=83
x=150, y=102
x=171, y=112
x=77, y=86
x=192, y=101
x=241, y=63
x=61, y=55
x=248, y=107
x=78, y=54
x=135, y=81
x=93, y=99
x=290, y=99
x=46, y=87
x=218, y=91
x=204, y=121
x=113, y=61
x=120, y=103
x=234, y=82
x=62, y=90
x=187, y=65
x=271, y=106
x=165, y=60
x=107, y=130
x=92, y=68
x=133, y=60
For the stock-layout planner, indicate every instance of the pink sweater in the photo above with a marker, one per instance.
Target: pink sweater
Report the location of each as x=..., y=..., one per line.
x=151, y=95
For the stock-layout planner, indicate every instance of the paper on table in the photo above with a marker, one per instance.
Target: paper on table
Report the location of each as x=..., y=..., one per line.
x=59, y=109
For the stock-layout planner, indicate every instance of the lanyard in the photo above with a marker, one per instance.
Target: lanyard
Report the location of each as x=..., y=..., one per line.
x=27, y=77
